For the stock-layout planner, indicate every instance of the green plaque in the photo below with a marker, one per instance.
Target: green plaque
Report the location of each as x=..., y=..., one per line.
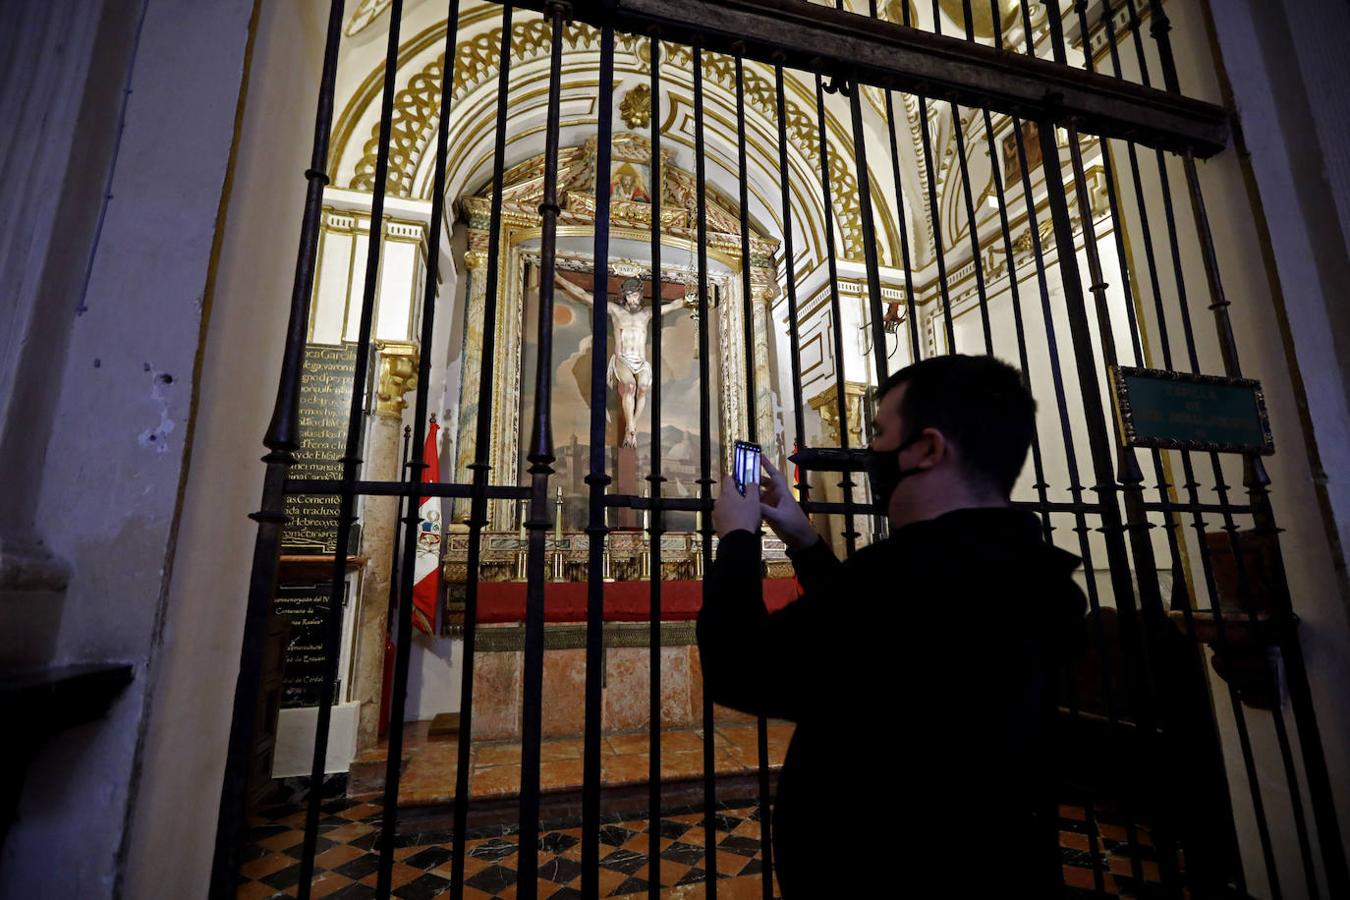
x=1176, y=411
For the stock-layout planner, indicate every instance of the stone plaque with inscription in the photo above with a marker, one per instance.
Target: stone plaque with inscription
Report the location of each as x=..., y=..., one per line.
x=305, y=604
x=325, y=403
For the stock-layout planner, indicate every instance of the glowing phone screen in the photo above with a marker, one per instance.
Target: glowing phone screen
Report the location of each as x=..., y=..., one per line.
x=745, y=465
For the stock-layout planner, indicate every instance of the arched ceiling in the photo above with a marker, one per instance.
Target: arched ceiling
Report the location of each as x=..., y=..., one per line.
x=474, y=95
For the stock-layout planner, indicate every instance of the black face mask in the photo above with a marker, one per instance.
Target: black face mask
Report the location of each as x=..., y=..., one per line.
x=884, y=473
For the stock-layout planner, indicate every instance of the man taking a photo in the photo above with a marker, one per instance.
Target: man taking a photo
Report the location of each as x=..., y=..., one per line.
x=921, y=672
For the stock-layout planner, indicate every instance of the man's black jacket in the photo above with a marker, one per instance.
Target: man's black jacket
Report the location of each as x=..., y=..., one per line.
x=921, y=675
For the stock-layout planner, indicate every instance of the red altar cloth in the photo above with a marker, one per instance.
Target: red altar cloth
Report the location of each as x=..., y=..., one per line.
x=625, y=601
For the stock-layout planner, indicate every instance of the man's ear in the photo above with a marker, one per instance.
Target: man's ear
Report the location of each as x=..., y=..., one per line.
x=936, y=448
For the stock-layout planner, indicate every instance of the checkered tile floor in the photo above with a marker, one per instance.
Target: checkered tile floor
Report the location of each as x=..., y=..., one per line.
x=1099, y=858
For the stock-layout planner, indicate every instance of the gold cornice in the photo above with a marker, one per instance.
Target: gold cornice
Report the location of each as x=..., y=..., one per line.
x=398, y=375
x=825, y=404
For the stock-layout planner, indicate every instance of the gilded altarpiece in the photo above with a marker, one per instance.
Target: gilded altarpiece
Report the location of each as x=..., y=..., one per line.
x=630, y=229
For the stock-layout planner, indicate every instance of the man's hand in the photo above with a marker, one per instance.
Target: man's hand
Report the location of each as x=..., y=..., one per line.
x=781, y=510
x=733, y=512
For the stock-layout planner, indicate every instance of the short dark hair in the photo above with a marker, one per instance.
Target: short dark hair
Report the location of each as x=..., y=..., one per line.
x=979, y=403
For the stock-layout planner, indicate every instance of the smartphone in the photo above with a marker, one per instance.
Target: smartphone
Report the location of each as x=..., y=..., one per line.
x=745, y=465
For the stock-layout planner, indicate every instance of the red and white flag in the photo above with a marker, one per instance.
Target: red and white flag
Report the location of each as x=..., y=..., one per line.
x=427, y=567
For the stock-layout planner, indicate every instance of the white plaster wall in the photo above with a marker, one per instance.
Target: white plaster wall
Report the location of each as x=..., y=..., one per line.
x=111, y=479
x=174, y=818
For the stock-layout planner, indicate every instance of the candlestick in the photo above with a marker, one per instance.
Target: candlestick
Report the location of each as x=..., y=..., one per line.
x=520, y=519
x=557, y=516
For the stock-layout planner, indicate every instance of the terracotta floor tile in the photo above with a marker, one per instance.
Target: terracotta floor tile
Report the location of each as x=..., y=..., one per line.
x=282, y=840
x=328, y=883
x=347, y=833
x=361, y=811
x=399, y=876
x=627, y=743
x=749, y=887
x=496, y=755
x=626, y=769
x=560, y=773
x=748, y=829
x=254, y=890
x=265, y=865
x=682, y=764
x=550, y=751
x=336, y=856
x=495, y=781
x=1079, y=877
x=609, y=880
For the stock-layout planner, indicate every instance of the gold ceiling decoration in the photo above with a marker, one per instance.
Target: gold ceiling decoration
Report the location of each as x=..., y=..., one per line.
x=366, y=13
x=1008, y=11
x=803, y=134
x=523, y=190
x=636, y=107
x=415, y=107
x=413, y=124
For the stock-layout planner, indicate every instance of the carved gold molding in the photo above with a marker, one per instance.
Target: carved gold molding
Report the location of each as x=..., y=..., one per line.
x=636, y=107
x=398, y=375
x=825, y=404
x=416, y=107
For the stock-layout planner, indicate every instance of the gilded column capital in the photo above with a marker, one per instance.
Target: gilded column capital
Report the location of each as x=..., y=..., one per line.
x=824, y=403
x=398, y=375
x=474, y=259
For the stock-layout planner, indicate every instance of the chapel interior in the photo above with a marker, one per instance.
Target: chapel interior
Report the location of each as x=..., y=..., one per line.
x=777, y=242
x=949, y=161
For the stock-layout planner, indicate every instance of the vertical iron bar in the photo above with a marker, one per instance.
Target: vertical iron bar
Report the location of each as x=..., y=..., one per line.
x=790, y=274
x=351, y=457
x=597, y=479
x=655, y=516
x=958, y=130
x=705, y=469
x=995, y=158
x=869, y=230
x=1028, y=35
x=415, y=474
x=911, y=312
x=1172, y=522
x=1075, y=486
x=480, y=466
x=752, y=426
x=281, y=440
x=396, y=559
x=936, y=223
x=836, y=316
x=747, y=301
x=541, y=467
x=1256, y=481
x=933, y=211
x=1198, y=523
x=1131, y=478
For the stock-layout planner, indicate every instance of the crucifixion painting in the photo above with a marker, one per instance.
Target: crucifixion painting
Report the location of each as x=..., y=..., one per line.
x=629, y=369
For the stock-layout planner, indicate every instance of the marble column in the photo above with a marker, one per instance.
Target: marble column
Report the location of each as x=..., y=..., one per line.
x=471, y=367
x=765, y=421
x=397, y=376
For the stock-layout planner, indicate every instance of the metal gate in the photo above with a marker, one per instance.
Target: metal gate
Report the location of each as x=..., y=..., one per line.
x=1116, y=497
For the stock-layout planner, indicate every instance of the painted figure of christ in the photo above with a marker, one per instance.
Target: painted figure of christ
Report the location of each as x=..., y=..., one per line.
x=629, y=369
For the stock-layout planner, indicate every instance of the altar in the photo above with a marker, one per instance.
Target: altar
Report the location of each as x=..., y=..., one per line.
x=500, y=633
